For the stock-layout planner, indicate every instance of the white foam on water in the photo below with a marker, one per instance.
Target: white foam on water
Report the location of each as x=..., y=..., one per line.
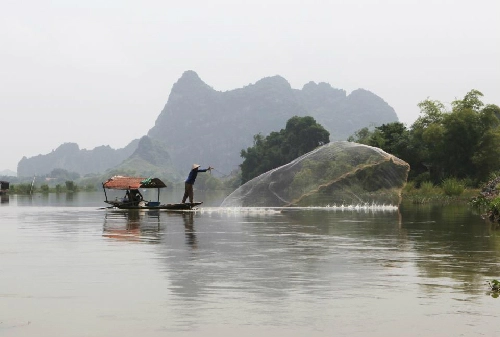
x=276, y=210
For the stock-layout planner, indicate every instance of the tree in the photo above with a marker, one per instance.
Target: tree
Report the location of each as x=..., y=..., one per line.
x=393, y=138
x=301, y=135
x=70, y=186
x=432, y=112
x=362, y=136
x=486, y=159
x=469, y=145
x=461, y=143
x=470, y=101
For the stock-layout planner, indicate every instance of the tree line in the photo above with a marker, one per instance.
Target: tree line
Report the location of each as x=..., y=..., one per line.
x=461, y=143
x=68, y=187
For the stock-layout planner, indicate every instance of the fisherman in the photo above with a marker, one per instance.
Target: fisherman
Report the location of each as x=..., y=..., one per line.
x=188, y=185
x=126, y=199
x=135, y=196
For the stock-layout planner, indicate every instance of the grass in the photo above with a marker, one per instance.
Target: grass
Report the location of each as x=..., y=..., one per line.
x=452, y=187
x=450, y=191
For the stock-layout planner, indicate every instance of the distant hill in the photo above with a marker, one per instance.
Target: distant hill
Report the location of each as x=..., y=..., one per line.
x=70, y=157
x=202, y=125
x=7, y=173
x=150, y=159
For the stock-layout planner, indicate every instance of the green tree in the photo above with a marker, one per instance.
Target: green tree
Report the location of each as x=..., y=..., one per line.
x=21, y=188
x=393, y=138
x=301, y=135
x=463, y=143
x=362, y=136
x=89, y=187
x=44, y=188
x=70, y=186
x=432, y=112
x=471, y=101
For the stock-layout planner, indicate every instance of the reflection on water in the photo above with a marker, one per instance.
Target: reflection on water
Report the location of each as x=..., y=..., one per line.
x=453, y=242
x=188, y=218
x=132, y=225
x=144, y=225
x=417, y=271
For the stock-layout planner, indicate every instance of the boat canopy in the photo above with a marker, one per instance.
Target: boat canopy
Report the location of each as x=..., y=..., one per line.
x=132, y=183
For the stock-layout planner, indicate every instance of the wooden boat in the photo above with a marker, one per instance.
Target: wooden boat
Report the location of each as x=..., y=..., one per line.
x=133, y=198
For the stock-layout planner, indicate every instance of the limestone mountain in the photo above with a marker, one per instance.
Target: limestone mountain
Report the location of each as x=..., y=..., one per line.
x=7, y=173
x=150, y=159
x=70, y=157
x=200, y=124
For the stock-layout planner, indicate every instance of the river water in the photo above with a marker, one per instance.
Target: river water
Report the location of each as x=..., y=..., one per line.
x=69, y=267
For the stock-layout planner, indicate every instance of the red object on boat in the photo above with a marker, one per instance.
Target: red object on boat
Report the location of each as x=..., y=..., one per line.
x=132, y=183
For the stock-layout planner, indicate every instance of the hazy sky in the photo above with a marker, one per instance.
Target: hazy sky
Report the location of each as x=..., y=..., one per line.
x=100, y=72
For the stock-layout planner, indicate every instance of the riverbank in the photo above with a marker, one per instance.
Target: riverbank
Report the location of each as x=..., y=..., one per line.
x=450, y=191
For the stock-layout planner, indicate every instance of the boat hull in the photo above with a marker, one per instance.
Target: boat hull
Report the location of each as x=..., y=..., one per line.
x=171, y=207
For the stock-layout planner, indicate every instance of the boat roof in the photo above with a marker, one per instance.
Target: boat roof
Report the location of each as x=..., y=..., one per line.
x=127, y=183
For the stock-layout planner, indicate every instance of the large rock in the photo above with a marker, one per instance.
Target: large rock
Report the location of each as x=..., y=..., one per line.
x=338, y=173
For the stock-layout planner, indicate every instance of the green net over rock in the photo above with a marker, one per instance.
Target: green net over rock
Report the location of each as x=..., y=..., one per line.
x=336, y=174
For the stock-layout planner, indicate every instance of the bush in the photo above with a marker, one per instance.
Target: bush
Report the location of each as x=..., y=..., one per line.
x=89, y=188
x=452, y=187
x=494, y=209
x=426, y=187
x=409, y=187
x=480, y=202
x=421, y=178
x=71, y=186
x=23, y=188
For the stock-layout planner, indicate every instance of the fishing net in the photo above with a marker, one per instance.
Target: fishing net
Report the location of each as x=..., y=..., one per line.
x=338, y=173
